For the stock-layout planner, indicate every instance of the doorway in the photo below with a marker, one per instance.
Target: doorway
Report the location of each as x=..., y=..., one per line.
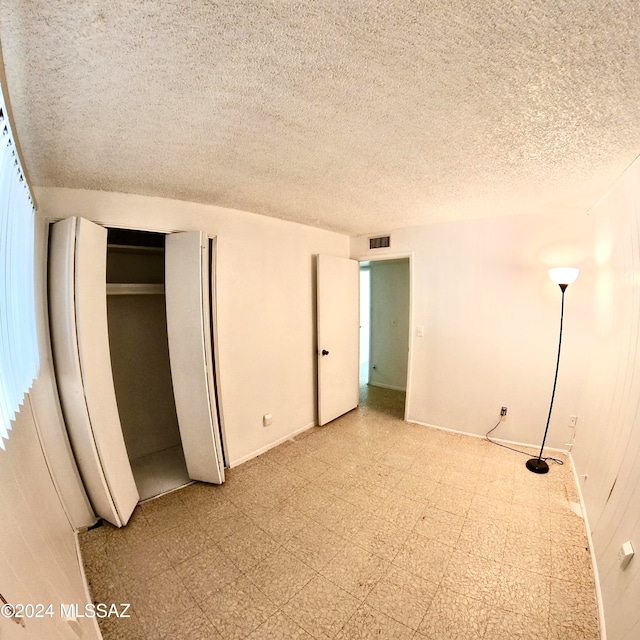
x=384, y=334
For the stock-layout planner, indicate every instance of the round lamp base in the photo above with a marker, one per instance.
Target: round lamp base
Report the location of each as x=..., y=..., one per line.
x=537, y=466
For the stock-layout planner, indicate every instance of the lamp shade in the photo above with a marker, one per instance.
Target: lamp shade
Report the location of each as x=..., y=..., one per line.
x=564, y=275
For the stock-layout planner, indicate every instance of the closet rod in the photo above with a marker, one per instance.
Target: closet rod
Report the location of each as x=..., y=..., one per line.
x=129, y=248
x=134, y=289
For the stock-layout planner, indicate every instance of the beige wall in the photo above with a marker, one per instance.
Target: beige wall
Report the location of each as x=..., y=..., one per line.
x=265, y=304
x=142, y=373
x=38, y=560
x=490, y=316
x=607, y=450
x=266, y=315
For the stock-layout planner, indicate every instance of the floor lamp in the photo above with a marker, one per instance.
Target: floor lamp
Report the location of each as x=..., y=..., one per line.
x=563, y=277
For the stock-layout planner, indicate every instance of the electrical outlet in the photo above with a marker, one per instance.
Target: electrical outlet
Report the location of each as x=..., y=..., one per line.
x=267, y=419
x=573, y=421
x=625, y=554
x=75, y=626
x=503, y=411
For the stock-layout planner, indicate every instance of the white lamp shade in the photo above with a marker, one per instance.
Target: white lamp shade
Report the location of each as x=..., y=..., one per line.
x=564, y=275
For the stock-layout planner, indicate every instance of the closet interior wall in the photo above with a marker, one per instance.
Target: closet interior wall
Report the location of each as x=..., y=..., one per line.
x=137, y=322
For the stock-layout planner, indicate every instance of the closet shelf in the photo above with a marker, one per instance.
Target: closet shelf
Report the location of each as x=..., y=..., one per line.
x=134, y=289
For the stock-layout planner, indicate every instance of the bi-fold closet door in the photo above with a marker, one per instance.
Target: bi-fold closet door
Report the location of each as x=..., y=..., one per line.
x=79, y=332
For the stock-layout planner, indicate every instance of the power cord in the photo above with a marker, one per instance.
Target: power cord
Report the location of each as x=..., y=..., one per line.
x=504, y=446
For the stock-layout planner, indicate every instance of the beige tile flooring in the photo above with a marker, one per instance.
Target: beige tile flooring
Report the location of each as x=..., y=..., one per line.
x=365, y=528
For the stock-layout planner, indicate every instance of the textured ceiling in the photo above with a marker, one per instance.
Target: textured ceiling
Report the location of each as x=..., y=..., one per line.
x=353, y=116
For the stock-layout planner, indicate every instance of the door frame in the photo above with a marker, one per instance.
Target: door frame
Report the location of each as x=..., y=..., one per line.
x=212, y=239
x=410, y=337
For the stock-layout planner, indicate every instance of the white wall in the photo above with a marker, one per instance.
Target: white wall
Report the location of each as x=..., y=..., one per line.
x=607, y=448
x=490, y=315
x=38, y=559
x=266, y=304
x=389, y=323
x=142, y=373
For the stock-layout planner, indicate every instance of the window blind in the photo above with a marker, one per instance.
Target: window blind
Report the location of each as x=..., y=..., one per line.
x=19, y=360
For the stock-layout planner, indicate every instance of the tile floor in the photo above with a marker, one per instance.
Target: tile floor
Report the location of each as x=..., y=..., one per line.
x=366, y=528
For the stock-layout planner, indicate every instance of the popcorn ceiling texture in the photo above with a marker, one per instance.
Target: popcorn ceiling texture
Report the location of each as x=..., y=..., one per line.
x=353, y=116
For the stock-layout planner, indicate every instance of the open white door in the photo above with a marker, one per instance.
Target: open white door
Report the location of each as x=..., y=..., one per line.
x=338, y=335
x=190, y=352
x=80, y=341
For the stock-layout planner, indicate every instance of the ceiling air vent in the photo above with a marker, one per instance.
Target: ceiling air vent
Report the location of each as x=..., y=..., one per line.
x=380, y=243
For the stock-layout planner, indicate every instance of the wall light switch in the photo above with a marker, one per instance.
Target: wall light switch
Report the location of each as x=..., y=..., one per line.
x=420, y=331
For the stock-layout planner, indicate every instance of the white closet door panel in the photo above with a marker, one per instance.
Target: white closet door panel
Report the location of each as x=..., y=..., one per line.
x=64, y=341
x=95, y=363
x=210, y=353
x=187, y=299
x=213, y=353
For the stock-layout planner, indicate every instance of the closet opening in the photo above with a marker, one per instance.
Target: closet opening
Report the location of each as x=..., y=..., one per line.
x=132, y=316
x=137, y=327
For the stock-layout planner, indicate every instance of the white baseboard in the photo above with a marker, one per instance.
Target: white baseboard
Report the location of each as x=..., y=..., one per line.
x=594, y=563
x=85, y=582
x=255, y=454
x=477, y=435
x=386, y=386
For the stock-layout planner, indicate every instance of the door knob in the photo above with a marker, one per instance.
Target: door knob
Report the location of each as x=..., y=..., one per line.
x=325, y=352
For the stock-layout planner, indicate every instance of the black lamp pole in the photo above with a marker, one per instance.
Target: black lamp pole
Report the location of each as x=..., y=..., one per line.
x=538, y=465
